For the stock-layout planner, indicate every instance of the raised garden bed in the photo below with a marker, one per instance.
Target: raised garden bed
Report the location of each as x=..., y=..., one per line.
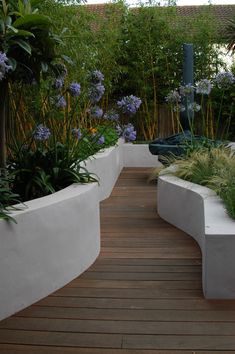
x=57, y=237
x=199, y=212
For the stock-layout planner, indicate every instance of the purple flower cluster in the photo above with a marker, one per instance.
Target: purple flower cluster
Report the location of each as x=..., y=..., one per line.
x=41, y=133
x=58, y=83
x=101, y=140
x=96, y=76
x=194, y=107
x=179, y=108
x=111, y=116
x=173, y=97
x=74, y=89
x=60, y=101
x=76, y=132
x=224, y=80
x=204, y=87
x=4, y=67
x=97, y=88
x=96, y=112
x=96, y=92
x=127, y=132
x=129, y=104
x=98, y=139
x=186, y=90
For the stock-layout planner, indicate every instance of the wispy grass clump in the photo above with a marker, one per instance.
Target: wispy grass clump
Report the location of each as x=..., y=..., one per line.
x=211, y=167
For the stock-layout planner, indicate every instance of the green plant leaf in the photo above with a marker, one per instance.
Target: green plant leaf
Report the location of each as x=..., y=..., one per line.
x=36, y=20
x=67, y=59
x=2, y=26
x=8, y=21
x=24, y=33
x=13, y=63
x=44, y=67
x=24, y=45
x=15, y=30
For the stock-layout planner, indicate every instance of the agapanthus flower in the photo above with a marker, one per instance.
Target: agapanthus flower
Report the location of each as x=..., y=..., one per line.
x=194, y=107
x=97, y=138
x=224, y=80
x=129, y=133
x=96, y=112
x=111, y=115
x=204, y=87
x=179, y=108
x=4, y=67
x=129, y=104
x=58, y=83
x=74, y=89
x=186, y=90
x=173, y=97
x=76, y=132
x=96, y=92
x=41, y=133
x=96, y=76
x=101, y=140
x=60, y=101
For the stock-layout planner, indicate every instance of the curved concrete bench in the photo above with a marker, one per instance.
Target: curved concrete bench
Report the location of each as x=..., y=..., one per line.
x=199, y=212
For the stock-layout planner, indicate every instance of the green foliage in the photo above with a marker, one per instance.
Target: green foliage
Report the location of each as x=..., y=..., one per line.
x=230, y=35
x=7, y=196
x=212, y=167
x=45, y=163
x=27, y=39
x=90, y=40
x=110, y=135
x=45, y=169
x=152, y=56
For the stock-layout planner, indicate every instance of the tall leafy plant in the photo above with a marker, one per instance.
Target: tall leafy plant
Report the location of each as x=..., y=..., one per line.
x=27, y=48
x=152, y=56
x=230, y=35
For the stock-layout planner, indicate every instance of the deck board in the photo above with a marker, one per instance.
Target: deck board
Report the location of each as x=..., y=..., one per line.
x=143, y=295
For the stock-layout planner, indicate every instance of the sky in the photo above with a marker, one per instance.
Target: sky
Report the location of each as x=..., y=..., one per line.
x=179, y=2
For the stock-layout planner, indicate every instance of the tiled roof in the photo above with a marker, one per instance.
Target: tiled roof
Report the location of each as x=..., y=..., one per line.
x=98, y=8
x=222, y=13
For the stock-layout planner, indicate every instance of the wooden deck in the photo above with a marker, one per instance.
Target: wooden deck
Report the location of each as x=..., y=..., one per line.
x=142, y=296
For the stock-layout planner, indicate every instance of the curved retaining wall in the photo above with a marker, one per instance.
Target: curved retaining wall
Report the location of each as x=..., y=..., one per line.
x=57, y=237
x=200, y=213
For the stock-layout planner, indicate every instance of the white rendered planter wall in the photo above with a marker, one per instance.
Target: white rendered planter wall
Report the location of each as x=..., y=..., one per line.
x=53, y=241
x=106, y=165
x=138, y=155
x=57, y=237
x=200, y=213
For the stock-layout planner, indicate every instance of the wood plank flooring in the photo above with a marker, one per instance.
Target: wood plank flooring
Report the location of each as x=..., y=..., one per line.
x=143, y=295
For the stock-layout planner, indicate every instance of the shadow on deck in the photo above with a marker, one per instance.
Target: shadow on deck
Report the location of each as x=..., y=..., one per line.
x=143, y=295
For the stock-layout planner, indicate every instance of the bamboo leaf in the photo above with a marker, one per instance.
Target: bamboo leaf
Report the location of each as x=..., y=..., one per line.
x=4, y=7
